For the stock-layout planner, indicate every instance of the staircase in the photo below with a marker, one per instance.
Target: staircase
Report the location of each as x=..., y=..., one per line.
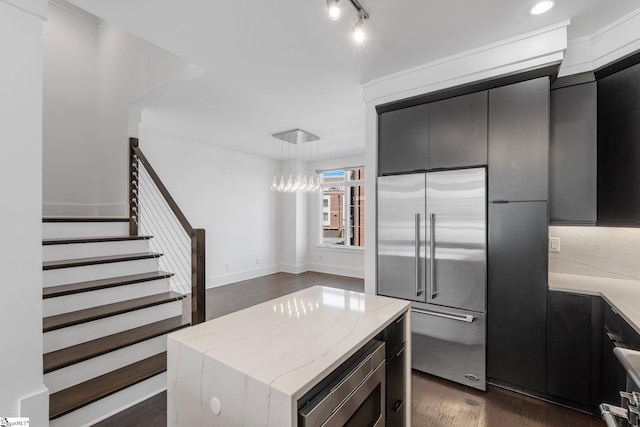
x=107, y=310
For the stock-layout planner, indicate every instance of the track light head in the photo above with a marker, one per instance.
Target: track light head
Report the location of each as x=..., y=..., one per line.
x=334, y=9
x=358, y=32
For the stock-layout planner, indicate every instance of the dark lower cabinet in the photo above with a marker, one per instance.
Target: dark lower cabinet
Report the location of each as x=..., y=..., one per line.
x=574, y=350
x=517, y=295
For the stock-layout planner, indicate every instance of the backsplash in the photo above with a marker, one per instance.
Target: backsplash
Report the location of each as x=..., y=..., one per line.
x=597, y=251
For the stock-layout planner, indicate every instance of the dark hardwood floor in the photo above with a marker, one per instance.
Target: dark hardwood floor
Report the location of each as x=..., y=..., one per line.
x=435, y=402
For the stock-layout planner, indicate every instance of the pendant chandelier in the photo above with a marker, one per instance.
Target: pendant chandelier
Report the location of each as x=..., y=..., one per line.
x=295, y=178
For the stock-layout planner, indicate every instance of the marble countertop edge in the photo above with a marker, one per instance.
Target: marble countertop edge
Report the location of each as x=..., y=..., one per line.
x=622, y=295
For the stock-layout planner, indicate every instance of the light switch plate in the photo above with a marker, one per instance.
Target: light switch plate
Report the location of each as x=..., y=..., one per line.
x=554, y=244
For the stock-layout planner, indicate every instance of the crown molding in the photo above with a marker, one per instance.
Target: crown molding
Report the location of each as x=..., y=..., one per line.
x=75, y=10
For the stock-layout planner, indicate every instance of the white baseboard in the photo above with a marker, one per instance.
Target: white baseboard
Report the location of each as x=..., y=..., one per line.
x=82, y=209
x=225, y=279
x=337, y=270
x=215, y=281
x=36, y=407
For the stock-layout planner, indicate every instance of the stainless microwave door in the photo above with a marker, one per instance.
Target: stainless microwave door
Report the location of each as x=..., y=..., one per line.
x=401, y=236
x=456, y=239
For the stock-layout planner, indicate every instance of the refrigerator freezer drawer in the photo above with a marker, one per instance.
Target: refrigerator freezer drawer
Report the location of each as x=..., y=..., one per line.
x=450, y=344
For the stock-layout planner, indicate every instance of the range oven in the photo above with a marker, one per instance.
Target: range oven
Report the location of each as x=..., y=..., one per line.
x=628, y=413
x=353, y=395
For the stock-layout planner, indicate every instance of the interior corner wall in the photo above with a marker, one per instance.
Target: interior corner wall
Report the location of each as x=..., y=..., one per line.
x=70, y=102
x=226, y=193
x=332, y=260
x=22, y=393
x=128, y=68
x=93, y=72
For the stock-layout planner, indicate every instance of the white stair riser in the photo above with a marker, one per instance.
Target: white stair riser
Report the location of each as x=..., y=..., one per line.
x=83, y=371
x=62, y=230
x=111, y=405
x=80, y=301
x=63, y=276
x=72, y=335
x=83, y=250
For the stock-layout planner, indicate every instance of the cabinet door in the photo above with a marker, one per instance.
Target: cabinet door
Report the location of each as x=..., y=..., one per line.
x=569, y=347
x=619, y=146
x=573, y=154
x=458, y=131
x=517, y=295
x=519, y=141
x=403, y=140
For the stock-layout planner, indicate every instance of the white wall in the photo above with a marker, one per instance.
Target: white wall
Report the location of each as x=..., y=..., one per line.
x=70, y=114
x=226, y=193
x=93, y=71
x=22, y=392
x=332, y=260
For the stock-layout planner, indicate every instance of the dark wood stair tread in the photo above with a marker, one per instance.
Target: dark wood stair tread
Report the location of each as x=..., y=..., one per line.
x=79, y=262
x=148, y=413
x=60, y=321
x=92, y=285
x=82, y=394
x=78, y=353
x=67, y=241
x=84, y=219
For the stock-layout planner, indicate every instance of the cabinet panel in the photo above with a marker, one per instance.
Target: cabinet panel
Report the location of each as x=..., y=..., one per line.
x=573, y=154
x=517, y=294
x=519, y=141
x=458, y=131
x=403, y=140
x=569, y=347
x=619, y=146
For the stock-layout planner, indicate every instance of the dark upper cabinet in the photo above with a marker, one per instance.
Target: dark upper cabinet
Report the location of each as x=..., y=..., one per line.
x=519, y=141
x=403, y=140
x=458, y=131
x=517, y=295
x=619, y=146
x=573, y=155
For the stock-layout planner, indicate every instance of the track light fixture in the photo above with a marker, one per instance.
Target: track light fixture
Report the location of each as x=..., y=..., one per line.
x=358, y=32
x=334, y=9
x=335, y=13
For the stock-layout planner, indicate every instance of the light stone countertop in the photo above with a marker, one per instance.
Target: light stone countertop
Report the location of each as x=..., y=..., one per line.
x=260, y=360
x=623, y=295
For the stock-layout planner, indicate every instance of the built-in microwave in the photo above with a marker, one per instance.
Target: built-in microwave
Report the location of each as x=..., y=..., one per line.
x=354, y=395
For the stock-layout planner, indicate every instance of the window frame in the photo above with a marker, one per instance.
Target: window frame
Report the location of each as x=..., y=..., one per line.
x=348, y=186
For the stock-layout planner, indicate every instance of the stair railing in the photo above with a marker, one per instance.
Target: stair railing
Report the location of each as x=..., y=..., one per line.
x=153, y=211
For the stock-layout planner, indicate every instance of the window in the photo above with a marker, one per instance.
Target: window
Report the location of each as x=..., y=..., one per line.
x=343, y=204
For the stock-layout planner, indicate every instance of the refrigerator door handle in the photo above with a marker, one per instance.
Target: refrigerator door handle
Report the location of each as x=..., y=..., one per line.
x=417, y=255
x=460, y=317
x=432, y=258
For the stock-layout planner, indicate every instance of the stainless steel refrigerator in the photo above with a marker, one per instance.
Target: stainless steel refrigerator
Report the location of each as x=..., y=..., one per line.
x=432, y=236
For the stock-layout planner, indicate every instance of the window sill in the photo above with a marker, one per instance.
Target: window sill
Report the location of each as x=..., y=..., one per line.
x=340, y=248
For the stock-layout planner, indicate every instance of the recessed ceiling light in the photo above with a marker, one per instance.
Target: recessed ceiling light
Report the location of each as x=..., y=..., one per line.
x=541, y=7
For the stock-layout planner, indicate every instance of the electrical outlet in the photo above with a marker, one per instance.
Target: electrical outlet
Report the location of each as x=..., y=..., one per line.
x=226, y=266
x=257, y=260
x=554, y=244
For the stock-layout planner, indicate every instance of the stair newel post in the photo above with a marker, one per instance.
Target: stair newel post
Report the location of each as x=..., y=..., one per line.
x=133, y=187
x=198, y=276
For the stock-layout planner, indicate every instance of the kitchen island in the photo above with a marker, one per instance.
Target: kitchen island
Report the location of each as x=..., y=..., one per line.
x=251, y=367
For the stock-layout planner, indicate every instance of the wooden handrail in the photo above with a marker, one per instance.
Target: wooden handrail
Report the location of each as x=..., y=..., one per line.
x=135, y=149
x=197, y=235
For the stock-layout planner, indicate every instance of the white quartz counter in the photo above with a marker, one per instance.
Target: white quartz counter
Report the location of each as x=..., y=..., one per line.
x=257, y=362
x=622, y=295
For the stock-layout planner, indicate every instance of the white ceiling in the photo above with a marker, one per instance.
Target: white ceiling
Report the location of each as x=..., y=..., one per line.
x=282, y=64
